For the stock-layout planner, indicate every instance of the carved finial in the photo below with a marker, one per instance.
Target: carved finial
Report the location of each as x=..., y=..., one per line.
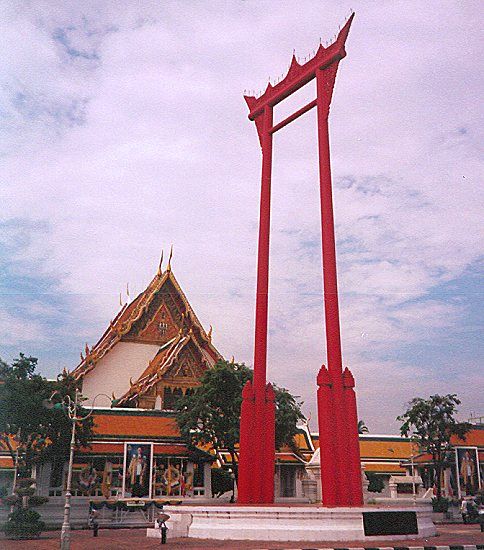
x=159, y=266
x=232, y=361
x=82, y=357
x=86, y=349
x=127, y=289
x=168, y=267
x=120, y=299
x=131, y=381
x=209, y=335
x=113, y=397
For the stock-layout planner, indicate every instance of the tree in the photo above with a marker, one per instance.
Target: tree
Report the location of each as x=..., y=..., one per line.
x=375, y=482
x=211, y=415
x=431, y=424
x=29, y=431
x=362, y=427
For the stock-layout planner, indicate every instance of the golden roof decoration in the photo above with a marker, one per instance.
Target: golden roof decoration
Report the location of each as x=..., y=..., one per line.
x=132, y=312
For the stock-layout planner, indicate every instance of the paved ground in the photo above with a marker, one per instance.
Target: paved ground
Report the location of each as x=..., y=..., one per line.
x=128, y=539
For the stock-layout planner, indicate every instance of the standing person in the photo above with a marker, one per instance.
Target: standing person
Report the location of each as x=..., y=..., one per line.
x=467, y=472
x=136, y=473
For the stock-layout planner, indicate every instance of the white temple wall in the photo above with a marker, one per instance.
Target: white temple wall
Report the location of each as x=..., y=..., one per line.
x=112, y=373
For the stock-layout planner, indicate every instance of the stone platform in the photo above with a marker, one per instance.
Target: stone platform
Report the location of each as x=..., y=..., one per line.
x=297, y=523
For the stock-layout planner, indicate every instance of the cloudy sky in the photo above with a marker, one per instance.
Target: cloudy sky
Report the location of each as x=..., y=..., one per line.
x=124, y=130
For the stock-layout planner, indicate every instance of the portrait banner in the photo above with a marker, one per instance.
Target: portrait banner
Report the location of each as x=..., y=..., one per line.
x=467, y=469
x=138, y=460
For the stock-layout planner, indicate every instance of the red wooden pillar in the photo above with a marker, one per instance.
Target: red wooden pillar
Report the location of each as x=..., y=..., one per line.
x=326, y=440
x=336, y=400
x=355, y=493
x=247, y=416
x=256, y=458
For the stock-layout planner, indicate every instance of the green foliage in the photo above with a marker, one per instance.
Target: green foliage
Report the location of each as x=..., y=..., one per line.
x=39, y=433
x=431, y=424
x=440, y=504
x=376, y=484
x=23, y=523
x=288, y=414
x=221, y=482
x=211, y=415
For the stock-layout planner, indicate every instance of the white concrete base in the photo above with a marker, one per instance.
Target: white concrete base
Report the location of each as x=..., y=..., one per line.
x=281, y=523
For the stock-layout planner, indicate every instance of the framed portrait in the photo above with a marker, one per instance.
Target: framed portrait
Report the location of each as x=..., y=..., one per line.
x=137, y=466
x=467, y=471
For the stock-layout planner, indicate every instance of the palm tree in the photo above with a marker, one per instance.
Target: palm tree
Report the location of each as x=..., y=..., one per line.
x=362, y=427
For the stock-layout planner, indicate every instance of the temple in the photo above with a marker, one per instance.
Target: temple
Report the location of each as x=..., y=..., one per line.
x=154, y=350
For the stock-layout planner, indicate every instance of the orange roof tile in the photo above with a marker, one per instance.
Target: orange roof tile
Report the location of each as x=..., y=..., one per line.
x=6, y=462
x=135, y=425
x=385, y=449
x=475, y=438
x=373, y=467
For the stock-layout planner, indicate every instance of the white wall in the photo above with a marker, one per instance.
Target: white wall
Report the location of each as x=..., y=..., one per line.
x=113, y=371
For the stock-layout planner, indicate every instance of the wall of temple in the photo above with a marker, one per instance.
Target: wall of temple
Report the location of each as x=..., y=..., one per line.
x=112, y=372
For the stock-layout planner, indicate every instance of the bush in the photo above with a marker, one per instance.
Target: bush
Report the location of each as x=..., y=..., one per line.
x=23, y=524
x=376, y=484
x=221, y=482
x=440, y=504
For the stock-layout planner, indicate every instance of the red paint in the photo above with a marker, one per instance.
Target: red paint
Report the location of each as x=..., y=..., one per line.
x=340, y=472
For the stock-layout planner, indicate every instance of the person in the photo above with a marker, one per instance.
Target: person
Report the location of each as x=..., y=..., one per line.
x=107, y=479
x=137, y=473
x=469, y=510
x=467, y=473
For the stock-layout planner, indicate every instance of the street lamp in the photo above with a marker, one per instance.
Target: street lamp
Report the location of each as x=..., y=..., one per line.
x=232, y=477
x=70, y=407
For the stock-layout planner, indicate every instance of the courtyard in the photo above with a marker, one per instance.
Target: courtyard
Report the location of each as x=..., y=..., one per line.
x=124, y=539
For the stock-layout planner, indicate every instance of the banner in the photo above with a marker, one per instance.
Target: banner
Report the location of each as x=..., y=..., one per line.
x=138, y=459
x=467, y=466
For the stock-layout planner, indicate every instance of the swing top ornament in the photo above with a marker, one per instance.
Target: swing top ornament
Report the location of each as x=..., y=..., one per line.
x=299, y=75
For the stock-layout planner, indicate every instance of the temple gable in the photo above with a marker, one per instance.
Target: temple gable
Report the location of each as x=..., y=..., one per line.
x=161, y=331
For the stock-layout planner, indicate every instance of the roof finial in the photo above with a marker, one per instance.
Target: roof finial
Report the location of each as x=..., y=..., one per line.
x=232, y=360
x=159, y=265
x=86, y=349
x=168, y=267
x=209, y=334
x=120, y=299
x=127, y=289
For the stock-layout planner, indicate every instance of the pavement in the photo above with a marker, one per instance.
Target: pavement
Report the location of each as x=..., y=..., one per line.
x=127, y=539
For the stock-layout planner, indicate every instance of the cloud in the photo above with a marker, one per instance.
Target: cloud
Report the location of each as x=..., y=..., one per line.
x=125, y=131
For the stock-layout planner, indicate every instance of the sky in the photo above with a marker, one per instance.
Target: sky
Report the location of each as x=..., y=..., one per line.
x=124, y=130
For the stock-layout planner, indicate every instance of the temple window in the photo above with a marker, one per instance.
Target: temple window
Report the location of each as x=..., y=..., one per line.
x=170, y=397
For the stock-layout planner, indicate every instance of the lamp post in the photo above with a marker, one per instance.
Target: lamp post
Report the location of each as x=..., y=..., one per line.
x=70, y=407
x=232, y=477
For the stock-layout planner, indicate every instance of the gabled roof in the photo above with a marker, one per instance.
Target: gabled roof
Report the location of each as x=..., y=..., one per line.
x=120, y=327
x=160, y=365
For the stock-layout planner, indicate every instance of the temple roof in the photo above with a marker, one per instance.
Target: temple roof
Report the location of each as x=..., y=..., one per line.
x=161, y=365
x=160, y=315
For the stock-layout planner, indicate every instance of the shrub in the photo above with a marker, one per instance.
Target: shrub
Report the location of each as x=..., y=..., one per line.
x=221, y=482
x=440, y=504
x=376, y=484
x=23, y=524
